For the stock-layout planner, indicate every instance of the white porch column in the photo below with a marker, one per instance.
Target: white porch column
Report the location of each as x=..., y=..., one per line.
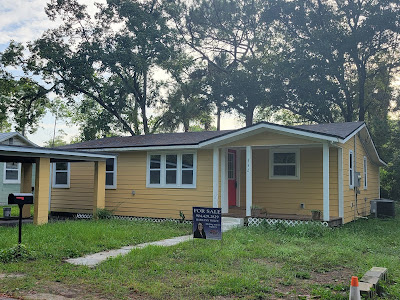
x=249, y=180
x=340, y=183
x=215, y=176
x=325, y=171
x=224, y=181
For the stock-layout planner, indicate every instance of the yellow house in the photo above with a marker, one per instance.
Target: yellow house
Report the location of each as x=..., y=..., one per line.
x=288, y=171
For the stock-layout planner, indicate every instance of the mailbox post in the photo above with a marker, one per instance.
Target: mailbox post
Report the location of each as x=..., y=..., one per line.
x=20, y=199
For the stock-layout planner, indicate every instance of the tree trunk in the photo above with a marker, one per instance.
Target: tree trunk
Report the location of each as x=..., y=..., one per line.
x=218, y=118
x=249, y=116
x=143, y=104
x=186, y=126
x=361, y=92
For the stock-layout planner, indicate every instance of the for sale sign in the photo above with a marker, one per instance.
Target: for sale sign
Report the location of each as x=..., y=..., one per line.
x=207, y=223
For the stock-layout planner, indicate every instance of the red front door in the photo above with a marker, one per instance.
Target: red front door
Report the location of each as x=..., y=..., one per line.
x=232, y=177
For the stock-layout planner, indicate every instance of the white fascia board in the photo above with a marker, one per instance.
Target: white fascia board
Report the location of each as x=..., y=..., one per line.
x=353, y=133
x=373, y=146
x=62, y=154
x=237, y=135
x=370, y=139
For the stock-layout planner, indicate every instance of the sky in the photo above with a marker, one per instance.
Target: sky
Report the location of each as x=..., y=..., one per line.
x=26, y=20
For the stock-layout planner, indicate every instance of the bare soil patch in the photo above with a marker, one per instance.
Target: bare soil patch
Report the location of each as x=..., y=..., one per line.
x=301, y=287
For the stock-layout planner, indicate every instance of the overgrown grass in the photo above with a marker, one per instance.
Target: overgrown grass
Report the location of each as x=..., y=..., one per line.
x=252, y=263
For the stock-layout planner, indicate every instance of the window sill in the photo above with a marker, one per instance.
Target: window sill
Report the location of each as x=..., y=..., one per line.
x=12, y=182
x=170, y=186
x=284, y=178
x=60, y=186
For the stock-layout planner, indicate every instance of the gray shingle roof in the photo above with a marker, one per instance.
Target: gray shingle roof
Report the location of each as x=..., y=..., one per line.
x=339, y=130
x=149, y=140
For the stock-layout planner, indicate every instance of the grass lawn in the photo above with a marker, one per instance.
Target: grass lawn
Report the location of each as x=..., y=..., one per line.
x=14, y=210
x=270, y=262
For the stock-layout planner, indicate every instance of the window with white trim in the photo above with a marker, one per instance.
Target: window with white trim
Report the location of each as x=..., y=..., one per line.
x=284, y=164
x=111, y=173
x=12, y=172
x=351, y=169
x=61, y=174
x=171, y=170
x=365, y=173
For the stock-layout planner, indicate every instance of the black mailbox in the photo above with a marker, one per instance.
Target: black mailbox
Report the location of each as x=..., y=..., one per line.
x=20, y=198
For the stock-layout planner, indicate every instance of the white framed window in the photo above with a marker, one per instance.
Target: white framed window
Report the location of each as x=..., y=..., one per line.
x=61, y=174
x=365, y=173
x=12, y=172
x=171, y=170
x=111, y=173
x=284, y=164
x=351, y=169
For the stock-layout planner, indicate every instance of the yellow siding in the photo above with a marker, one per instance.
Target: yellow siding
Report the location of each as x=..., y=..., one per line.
x=284, y=196
x=79, y=197
x=270, y=138
x=351, y=210
x=131, y=176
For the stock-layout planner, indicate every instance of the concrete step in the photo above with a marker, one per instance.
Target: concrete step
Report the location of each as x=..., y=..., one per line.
x=229, y=223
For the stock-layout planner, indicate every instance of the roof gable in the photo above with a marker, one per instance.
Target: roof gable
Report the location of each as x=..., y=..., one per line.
x=21, y=140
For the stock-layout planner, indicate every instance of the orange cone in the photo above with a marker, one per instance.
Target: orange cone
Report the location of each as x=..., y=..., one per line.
x=354, y=289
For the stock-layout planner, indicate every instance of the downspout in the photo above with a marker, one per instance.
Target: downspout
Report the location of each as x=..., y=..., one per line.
x=354, y=177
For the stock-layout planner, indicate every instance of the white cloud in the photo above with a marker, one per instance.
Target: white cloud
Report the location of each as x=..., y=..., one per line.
x=22, y=20
x=25, y=20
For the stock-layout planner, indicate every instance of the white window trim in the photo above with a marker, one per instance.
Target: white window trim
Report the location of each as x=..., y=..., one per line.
x=179, y=170
x=114, y=186
x=351, y=174
x=12, y=181
x=61, y=186
x=365, y=173
x=271, y=164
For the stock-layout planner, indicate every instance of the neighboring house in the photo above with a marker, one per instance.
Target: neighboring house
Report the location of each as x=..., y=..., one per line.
x=287, y=170
x=10, y=172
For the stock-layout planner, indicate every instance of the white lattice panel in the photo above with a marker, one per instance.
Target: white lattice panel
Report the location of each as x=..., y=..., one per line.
x=83, y=216
x=145, y=219
x=259, y=221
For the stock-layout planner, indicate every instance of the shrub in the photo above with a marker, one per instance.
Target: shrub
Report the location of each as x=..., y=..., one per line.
x=16, y=253
x=103, y=213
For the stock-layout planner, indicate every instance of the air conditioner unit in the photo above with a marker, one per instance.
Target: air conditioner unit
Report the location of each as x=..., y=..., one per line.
x=383, y=208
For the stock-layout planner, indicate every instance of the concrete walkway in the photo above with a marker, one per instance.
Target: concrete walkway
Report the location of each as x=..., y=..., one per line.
x=94, y=259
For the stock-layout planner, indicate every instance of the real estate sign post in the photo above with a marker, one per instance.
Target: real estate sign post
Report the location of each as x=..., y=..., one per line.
x=207, y=223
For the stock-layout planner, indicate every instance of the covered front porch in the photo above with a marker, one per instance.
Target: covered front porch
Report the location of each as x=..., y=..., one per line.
x=288, y=177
